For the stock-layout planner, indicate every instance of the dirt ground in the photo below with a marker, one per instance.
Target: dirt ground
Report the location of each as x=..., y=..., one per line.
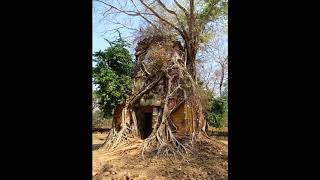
x=208, y=161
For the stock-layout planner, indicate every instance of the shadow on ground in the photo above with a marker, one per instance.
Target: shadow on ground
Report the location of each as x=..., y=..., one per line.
x=96, y=146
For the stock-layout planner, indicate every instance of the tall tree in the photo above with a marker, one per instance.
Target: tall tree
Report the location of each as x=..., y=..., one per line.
x=190, y=19
x=212, y=63
x=112, y=75
x=223, y=72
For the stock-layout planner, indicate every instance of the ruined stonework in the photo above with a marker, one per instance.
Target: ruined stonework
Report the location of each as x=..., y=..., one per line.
x=164, y=108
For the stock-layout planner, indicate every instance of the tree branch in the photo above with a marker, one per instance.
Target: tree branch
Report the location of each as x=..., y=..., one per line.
x=182, y=8
x=123, y=26
x=144, y=16
x=162, y=19
x=164, y=7
x=113, y=7
x=129, y=13
x=174, y=13
x=206, y=16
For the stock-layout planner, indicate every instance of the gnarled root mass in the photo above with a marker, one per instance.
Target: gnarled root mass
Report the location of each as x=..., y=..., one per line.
x=164, y=74
x=115, y=139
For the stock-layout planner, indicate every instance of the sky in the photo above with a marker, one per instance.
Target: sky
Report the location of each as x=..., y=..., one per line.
x=99, y=33
x=98, y=42
x=99, y=28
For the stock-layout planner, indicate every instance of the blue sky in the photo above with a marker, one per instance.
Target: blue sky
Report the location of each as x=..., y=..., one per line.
x=98, y=42
x=100, y=27
x=99, y=32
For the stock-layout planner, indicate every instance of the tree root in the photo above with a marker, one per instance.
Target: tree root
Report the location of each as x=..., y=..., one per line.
x=116, y=139
x=179, y=88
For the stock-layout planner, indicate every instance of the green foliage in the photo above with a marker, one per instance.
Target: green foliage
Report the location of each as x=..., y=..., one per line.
x=218, y=112
x=214, y=108
x=112, y=75
x=212, y=10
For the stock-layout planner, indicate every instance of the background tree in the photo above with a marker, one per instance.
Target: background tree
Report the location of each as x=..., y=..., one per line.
x=190, y=19
x=225, y=91
x=112, y=75
x=212, y=63
x=98, y=118
x=218, y=111
x=221, y=74
x=95, y=101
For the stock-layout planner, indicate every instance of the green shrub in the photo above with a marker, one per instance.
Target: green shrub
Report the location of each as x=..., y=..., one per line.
x=112, y=76
x=218, y=112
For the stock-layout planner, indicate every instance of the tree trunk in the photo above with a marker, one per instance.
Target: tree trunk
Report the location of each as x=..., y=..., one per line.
x=221, y=83
x=191, y=59
x=190, y=43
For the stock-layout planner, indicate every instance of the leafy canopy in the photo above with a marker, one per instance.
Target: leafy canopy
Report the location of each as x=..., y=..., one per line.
x=218, y=111
x=112, y=75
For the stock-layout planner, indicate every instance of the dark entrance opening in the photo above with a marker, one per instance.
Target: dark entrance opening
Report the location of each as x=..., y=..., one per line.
x=146, y=125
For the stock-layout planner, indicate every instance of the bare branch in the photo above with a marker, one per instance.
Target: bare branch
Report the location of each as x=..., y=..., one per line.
x=107, y=11
x=135, y=5
x=123, y=25
x=182, y=8
x=175, y=14
x=162, y=19
x=113, y=7
x=129, y=12
x=144, y=16
x=165, y=7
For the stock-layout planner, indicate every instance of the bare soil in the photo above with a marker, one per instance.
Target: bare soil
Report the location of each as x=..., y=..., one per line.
x=208, y=161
